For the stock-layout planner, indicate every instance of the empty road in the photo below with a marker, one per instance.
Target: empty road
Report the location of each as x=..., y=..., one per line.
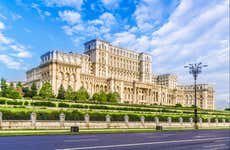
x=178, y=140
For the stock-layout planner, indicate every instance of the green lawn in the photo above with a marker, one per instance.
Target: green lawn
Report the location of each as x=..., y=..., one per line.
x=90, y=131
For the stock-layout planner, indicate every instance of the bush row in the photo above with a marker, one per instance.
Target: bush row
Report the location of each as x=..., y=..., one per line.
x=24, y=114
x=112, y=107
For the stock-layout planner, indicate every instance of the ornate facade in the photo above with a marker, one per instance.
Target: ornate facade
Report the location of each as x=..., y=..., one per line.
x=104, y=67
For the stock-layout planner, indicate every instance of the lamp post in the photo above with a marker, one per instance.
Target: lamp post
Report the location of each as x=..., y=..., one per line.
x=195, y=69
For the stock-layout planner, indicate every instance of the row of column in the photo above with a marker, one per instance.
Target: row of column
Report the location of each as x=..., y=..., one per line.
x=33, y=118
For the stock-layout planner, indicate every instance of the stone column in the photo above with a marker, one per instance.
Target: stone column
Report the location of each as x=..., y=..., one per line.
x=216, y=121
x=126, y=119
x=169, y=120
x=223, y=121
x=33, y=118
x=156, y=120
x=200, y=121
x=0, y=119
x=87, y=119
x=209, y=121
x=181, y=121
x=142, y=119
x=108, y=120
x=191, y=121
x=62, y=119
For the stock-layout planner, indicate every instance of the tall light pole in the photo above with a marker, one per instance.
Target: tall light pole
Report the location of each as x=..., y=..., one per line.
x=195, y=69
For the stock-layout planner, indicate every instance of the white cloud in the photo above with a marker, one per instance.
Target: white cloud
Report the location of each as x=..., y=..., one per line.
x=61, y=3
x=47, y=13
x=39, y=10
x=16, y=16
x=71, y=17
x=2, y=26
x=111, y=4
x=11, y=51
x=9, y=62
x=150, y=13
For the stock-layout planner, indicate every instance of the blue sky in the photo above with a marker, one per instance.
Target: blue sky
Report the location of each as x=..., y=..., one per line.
x=175, y=32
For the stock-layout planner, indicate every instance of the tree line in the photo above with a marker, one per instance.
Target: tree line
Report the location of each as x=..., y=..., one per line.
x=46, y=92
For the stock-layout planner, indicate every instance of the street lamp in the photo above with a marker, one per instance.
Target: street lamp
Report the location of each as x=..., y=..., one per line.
x=195, y=69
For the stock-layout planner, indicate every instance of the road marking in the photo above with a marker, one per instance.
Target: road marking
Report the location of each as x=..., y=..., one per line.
x=211, y=146
x=221, y=141
x=81, y=140
x=139, y=144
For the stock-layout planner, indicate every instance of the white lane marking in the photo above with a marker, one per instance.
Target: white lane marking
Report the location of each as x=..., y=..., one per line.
x=200, y=136
x=139, y=144
x=81, y=140
x=80, y=136
x=212, y=146
x=221, y=141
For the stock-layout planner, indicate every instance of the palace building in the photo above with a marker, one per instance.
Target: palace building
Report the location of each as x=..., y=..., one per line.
x=105, y=67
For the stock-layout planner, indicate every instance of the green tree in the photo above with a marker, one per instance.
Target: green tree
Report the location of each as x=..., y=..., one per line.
x=34, y=90
x=100, y=97
x=27, y=92
x=12, y=92
x=19, y=88
x=113, y=97
x=4, y=88
x=178, y=105
x=46, y=90
x=69, y=93
x=61, y=92
x=81, y=94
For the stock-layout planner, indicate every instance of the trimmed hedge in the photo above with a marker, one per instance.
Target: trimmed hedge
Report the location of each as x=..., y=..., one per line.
x=43, y=114
x=14, y=102
x=48, y=104
x=63, y=105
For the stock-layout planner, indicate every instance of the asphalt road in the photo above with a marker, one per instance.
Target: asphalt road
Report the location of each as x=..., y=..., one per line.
x=178, y=140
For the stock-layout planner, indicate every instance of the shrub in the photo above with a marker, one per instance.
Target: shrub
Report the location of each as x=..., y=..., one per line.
x=100, y=97
x=10, y=102
x=37, y=98
x=63, y=105
x=2, y=101
x=48, y=104
x=178, y=105
x=26, y=103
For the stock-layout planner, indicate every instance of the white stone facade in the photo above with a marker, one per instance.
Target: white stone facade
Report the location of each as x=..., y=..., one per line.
x=104, y=67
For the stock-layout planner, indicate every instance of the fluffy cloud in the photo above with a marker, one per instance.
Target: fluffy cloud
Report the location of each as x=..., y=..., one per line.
x=151, y=13
x=2, y=26
x=9, y=62
x=61, y=3
x=71, y=17
x=76, y=27
x=111, y=3
x=12, y=52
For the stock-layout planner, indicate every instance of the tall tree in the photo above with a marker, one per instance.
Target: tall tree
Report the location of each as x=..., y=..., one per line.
x=4, y=88
x=19, y=88
x=19, y=84
x=69, y=93
x=27, y=92
x=12, y=92
x=46, y=90
x=113, y=97
x=34, y=90
x=82, y=94
x=61, y=92
x=100, y=97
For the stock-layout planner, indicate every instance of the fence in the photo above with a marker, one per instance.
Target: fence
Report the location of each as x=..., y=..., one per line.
x=33, y=123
